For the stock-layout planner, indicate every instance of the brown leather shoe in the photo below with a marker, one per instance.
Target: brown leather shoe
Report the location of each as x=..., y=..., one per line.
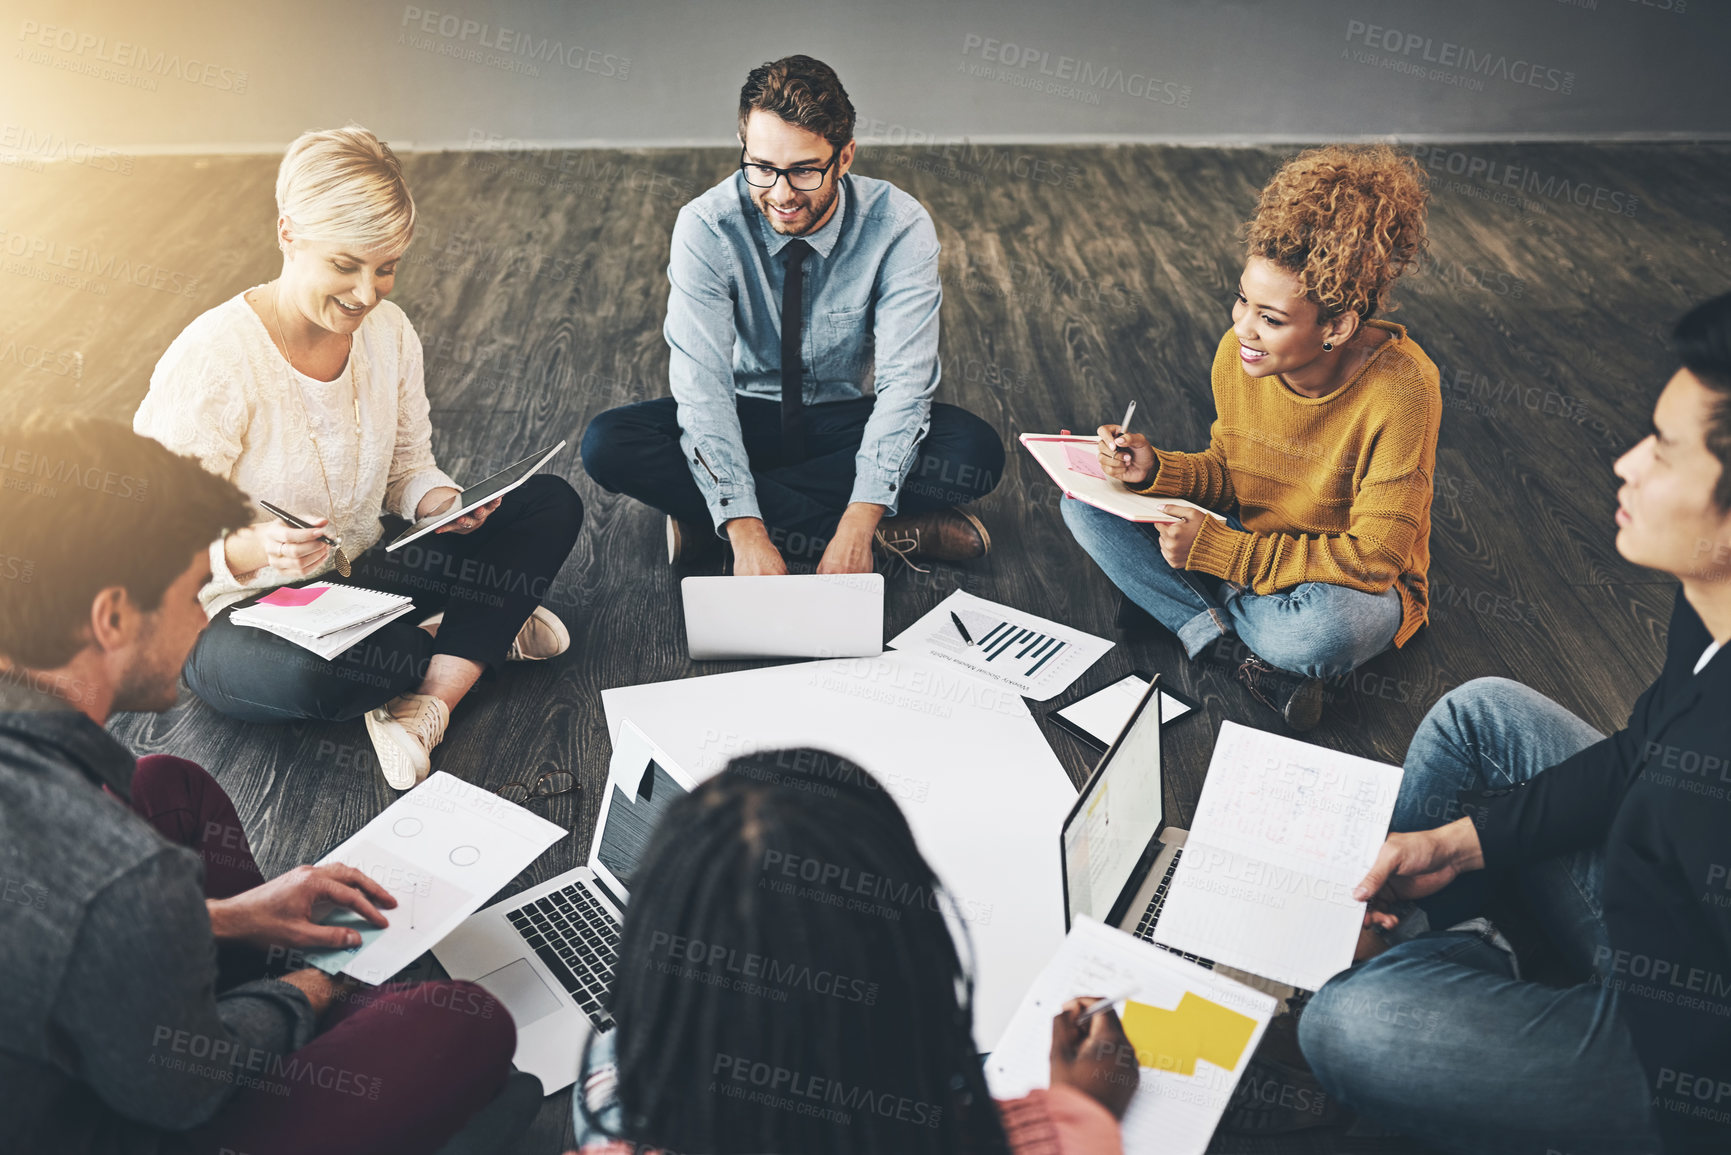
x=689, y=544
x=944, y=535
x=1297, y=699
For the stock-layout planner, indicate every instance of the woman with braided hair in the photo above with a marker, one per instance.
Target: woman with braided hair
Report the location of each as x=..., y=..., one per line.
x=1321, y=453
x=787, y=982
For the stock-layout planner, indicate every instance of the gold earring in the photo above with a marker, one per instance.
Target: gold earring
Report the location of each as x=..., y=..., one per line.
x=1328, y=346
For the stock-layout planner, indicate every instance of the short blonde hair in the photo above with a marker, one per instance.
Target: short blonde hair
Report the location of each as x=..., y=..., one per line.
x=345, y=185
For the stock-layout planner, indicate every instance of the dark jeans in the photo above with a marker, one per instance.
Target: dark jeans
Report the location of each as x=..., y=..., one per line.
x=487, y=581
x=429, y=1055
x=1436, y=1036
x=634, y=450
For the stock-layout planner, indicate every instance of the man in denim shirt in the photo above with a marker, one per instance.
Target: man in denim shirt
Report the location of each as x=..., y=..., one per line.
x=807, y=463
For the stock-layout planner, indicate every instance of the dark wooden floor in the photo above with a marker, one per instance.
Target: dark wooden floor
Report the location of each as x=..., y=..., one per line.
x=537, y=284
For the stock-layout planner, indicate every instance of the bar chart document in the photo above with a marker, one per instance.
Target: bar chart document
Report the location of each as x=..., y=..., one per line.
x=1193, y=1032
x=1037, y=658
x=1283, y=832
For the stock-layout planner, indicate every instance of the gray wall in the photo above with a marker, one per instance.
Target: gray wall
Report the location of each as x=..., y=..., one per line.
x=173, y=75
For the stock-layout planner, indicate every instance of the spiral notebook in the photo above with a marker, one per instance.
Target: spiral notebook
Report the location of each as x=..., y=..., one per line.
x=324, y=617
x=1073, y=464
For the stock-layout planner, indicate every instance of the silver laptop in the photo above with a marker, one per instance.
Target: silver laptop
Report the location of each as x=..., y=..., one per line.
x=793, y=616
x=1117, y=859
x=548, y=953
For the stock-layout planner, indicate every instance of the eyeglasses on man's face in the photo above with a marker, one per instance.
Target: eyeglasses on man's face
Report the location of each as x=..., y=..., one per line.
x=800, y=178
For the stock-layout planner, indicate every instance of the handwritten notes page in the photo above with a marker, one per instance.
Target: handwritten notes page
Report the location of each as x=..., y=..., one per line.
x=1283, y=832
x=1193, y=1032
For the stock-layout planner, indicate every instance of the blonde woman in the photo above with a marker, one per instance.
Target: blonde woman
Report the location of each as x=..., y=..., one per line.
x=1322, y=450
x=307, y=392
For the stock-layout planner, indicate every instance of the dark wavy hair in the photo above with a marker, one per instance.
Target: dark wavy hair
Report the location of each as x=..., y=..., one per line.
x=86, y=505
x=801, y=91
x=1702, y=341
x=787, y=981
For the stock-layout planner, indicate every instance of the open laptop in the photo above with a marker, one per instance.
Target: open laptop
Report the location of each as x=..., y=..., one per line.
x=1117, y=859
x=791, y=616
x=548, y=953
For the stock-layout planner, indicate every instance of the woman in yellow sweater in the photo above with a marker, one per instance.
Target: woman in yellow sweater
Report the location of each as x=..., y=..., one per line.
x=1322, y=449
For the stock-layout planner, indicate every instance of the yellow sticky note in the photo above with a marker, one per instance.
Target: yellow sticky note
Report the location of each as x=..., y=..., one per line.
x=1199, y=1029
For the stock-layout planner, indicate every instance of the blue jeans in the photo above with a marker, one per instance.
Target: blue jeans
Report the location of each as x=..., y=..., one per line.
x=1314, y=629
x=1436, y=1037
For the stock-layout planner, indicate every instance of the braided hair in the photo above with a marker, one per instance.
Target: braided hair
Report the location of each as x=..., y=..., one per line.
x=787, y=981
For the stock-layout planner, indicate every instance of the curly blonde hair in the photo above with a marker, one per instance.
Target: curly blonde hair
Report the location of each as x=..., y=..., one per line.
x=1346, y=221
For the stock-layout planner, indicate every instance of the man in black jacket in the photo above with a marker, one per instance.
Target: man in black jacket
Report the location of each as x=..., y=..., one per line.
x=1621, y=846
x=135, y=1013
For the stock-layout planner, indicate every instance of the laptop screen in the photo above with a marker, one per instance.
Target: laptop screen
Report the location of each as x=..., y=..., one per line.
x=634, y=807
x=1116, y=817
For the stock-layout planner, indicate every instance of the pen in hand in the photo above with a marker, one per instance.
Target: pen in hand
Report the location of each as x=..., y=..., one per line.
x=285, y=516
x=1124, y=428
x=1102, y=1005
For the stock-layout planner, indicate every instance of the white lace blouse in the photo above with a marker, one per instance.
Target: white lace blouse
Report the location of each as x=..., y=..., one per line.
x=224, y=394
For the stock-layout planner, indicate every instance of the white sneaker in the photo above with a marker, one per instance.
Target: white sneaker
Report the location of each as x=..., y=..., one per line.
x=543, y=636
x=404, y=732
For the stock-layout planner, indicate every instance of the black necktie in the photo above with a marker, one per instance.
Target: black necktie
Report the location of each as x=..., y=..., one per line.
x=792, y=369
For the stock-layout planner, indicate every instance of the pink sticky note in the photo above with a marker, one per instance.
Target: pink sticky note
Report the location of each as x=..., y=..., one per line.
x=1084, y=459
x=288, y=596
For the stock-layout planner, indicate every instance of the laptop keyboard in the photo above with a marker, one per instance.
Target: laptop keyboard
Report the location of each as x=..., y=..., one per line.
x=1145, y=925
x=578, y=940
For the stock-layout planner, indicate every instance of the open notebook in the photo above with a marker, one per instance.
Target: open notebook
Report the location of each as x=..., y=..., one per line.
x=1074, y=465
x=324, y=617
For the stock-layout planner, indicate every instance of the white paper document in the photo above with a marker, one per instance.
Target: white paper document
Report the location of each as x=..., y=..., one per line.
x=1193, y=1032
x=1283, y=832
x=963, y=758
x=1037, y=658
x=1104, y=712
x=442, y=850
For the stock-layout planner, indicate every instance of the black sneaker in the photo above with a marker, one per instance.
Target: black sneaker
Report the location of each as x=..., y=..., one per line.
x=1297, y=699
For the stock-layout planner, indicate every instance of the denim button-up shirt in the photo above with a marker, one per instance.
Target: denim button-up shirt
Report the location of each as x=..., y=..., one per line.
x=870, y=308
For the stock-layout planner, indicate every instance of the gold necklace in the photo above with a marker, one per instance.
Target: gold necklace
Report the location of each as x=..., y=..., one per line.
x=342, y=559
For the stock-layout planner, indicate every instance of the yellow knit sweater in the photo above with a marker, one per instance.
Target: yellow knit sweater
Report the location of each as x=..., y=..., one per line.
x=1333, y=489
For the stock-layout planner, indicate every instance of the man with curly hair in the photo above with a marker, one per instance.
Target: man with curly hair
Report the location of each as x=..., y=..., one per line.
x=794, y=285
x=1322, y=449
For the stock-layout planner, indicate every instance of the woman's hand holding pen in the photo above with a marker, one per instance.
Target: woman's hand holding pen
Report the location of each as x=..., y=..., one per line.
x=292, y=552
x=1125, y=457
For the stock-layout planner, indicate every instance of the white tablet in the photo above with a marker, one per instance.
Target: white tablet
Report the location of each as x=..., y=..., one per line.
x=476, y=495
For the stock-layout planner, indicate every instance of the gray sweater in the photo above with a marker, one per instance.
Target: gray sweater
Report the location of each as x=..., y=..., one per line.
x=111, y=1029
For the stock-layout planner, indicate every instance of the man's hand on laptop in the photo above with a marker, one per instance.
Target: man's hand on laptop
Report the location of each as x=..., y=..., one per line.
x=754, y=555
x=280, y=912
x=850, y=550
x=1415, y=865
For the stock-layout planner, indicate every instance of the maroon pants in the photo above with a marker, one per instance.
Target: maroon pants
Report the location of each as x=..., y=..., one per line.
x=394, y=1070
